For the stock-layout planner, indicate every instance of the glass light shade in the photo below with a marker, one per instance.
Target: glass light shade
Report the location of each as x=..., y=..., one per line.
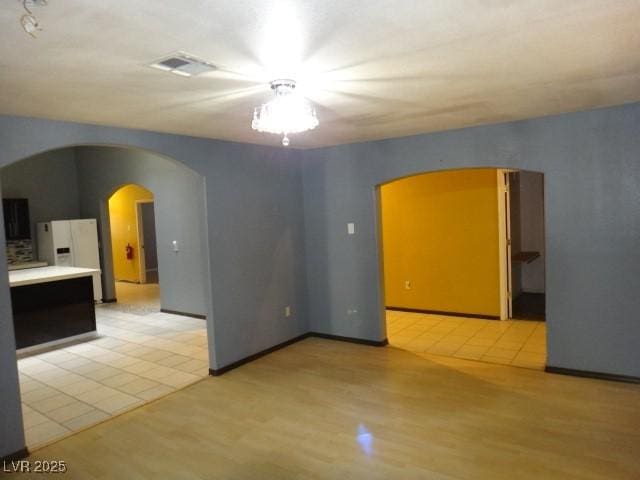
x=286, y=113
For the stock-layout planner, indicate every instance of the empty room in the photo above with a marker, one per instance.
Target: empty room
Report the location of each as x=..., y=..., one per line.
x=283, y=240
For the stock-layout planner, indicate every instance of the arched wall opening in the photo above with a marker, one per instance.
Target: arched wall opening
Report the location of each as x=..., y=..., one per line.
x=77, y=182
x=83, y=179
x=455, y=249
x=133, y=234
x=589, y=163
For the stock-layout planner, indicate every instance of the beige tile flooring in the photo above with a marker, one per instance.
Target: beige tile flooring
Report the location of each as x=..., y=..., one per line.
x=520, y=343
x=136, y=359
x=137, y=298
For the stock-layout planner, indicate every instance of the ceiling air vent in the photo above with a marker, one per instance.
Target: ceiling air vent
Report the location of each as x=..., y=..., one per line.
x=183, y=64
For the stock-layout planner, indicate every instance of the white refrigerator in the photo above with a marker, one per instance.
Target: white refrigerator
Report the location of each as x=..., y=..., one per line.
x=71, y=243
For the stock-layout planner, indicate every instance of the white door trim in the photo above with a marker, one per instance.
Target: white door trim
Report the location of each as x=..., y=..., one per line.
x=504, y=243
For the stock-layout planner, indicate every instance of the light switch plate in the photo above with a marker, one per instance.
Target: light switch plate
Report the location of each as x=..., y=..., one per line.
x=351, y=228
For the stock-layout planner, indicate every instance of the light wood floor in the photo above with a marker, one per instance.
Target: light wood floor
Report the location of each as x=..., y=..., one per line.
x=325, y=409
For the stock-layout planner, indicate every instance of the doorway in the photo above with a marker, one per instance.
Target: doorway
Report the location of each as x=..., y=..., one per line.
x=129, y=226
x=452, y=275
x=135, y=353
x=134, y=249
x=527, y=244
x=146, y=226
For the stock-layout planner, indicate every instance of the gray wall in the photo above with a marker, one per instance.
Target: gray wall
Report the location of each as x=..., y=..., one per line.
x=11, y=434
x=255, y=238
x=180, y=215
x=256, y=229
x=591, y=162
x=49, y=182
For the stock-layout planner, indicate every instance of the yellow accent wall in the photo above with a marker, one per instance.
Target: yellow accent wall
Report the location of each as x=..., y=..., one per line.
x=440, y=232
x=122, y=217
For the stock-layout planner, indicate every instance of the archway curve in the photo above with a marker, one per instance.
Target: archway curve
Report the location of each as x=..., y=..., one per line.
x=24, y=137
x=152, y=151
x=453, y=169
x=123, y=185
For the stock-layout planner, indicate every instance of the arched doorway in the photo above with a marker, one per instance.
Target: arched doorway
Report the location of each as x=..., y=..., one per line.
x=135, y=356
x=134, y=247
x=456, y=248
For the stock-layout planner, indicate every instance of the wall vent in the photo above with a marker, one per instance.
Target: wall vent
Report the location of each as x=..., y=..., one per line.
x=183, y=64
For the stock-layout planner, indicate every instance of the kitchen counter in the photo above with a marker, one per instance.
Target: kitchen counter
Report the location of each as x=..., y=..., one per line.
x=32, y=276
x=52, y=305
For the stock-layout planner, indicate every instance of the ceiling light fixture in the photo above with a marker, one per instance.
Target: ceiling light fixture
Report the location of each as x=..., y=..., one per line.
x=29, y=21
x=288, y=113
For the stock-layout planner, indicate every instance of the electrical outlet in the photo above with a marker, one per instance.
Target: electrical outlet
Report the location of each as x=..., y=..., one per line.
x=407, y=284
x=287, y=311
x=352, y=311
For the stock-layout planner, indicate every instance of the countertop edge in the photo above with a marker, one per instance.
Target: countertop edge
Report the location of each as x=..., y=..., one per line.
x=52, y=278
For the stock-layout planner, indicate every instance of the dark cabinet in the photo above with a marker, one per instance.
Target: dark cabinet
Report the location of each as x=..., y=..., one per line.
x=49, y=311
x=16, y=218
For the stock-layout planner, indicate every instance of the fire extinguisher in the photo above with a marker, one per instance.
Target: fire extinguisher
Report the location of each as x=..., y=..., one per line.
x=129, y=251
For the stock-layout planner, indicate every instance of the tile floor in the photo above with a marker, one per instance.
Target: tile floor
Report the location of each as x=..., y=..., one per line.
x=136, y=359
x=137, y=298
x=520, y=343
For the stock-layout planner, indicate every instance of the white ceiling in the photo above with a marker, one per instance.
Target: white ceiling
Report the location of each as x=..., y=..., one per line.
x=374, y=69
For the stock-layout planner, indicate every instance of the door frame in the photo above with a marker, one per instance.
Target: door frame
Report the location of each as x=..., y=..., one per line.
x=142, y=267
x=504, y=243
